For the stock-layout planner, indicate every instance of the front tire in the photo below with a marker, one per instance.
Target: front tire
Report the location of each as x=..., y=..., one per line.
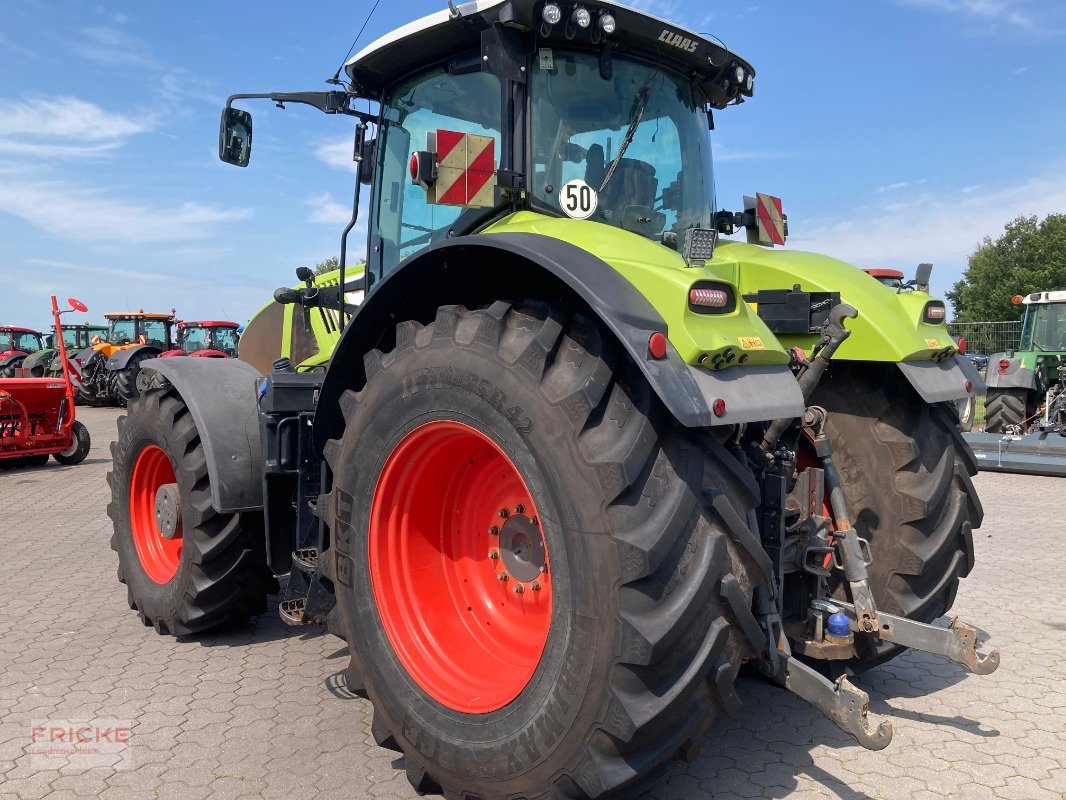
x=628, y=649
x=906, y=472
x=187, y=568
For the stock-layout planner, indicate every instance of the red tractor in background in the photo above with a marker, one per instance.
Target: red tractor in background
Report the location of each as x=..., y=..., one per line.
x=15, y=344
x=37, y=414
x=205, y=339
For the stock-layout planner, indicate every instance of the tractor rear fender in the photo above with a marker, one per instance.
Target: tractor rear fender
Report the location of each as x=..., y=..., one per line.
x=7, y=359
x=221, y=396
x=1014, y=376
x=943, y=381
x=478, y=270
x=120, y=358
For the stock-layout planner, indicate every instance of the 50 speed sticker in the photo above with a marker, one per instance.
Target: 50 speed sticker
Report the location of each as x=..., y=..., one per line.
x=752, y=343
x=577, y=199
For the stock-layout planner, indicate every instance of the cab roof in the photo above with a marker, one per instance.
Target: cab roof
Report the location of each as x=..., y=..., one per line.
x=1045, y=297
x=17, y=329
x=208, y=323
x=137, y=315
x=435, y=37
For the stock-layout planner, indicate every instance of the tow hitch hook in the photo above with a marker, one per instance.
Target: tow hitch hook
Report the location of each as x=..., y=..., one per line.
x=957, y=642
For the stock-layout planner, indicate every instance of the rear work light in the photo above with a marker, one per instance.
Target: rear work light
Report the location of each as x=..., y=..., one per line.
x=708, y=297
x=934, y=312
x=1003, y=364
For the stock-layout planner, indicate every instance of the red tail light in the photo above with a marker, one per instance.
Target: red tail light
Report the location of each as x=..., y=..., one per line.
x=708, y=298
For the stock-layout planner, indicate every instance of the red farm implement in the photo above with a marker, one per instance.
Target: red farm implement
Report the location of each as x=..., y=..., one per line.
x=37, y=414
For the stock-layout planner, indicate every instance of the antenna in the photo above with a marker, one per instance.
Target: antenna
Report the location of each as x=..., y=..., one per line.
x=336, y=79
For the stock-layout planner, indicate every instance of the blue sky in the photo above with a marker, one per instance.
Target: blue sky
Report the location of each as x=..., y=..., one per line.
x=896, y=131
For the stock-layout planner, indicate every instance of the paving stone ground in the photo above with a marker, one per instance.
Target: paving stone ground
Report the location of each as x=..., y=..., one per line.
x=256, y=713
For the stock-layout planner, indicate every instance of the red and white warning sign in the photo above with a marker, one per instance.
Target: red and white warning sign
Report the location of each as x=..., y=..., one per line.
x=466, y=169
x=770, y=221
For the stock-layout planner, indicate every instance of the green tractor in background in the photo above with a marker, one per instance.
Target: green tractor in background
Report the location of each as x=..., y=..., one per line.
x=1018, y=380
x=1025, y=410
x=573, y=460
x=45, y=363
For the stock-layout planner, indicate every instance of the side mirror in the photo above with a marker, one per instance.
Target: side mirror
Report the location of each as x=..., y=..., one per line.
x=235, y=137
x=305, y=274
x=366, y=165
x=921, y=277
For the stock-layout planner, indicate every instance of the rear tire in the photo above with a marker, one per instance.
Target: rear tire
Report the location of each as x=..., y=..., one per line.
x=906, y=473
x=640, y=520
x=1007, y=408
x=212, y=571
x=79, y=449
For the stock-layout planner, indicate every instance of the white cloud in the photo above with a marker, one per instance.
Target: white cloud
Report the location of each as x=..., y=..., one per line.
x=73, y=212
x=63, y=127
x=1007, y=11
x=1021, y=70
x=134, y=275
x=65, y=117
x=942, y=227
x=337, y=154
x=113, y=48
x=327, y=210
x=892, y=187
x=724, y=154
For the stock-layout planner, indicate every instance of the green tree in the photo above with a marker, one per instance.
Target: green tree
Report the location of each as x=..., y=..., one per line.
x=1029, y=256
x=328, y=265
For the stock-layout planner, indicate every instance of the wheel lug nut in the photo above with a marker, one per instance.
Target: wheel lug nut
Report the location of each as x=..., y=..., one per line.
x=534, y=520
x=504, y=513
x=502, y=576
x=543, y=570
x=518, y=588
x=494, y=530
x=518, y=509
x=535, y=586
x=494, y=554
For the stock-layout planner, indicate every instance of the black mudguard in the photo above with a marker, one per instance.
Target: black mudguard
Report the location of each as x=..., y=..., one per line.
x=480, y=269
x=120, y=358
x=943, y=381
x=221, y=396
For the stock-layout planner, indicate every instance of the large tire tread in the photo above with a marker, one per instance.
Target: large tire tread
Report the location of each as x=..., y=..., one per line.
x=679, y=646
x=223, y=566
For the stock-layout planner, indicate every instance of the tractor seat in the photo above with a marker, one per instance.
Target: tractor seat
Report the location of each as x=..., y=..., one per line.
x=633, y=183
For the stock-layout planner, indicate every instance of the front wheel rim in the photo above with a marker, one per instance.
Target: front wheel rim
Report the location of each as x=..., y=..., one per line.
x=160, y=557
x=459, y=567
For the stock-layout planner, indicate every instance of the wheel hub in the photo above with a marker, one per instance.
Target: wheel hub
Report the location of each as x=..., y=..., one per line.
x=167, y=510
x=522, y=548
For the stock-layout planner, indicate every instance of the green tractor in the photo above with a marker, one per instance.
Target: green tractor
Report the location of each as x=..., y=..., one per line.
x=1019, y=380
x=573, y=460
x=45, y=363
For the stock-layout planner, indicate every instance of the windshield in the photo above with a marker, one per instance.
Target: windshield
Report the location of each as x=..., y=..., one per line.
x=638, y=140
x=1045, y=327
x=195, y=339
x=122, y=331
x=14, y=340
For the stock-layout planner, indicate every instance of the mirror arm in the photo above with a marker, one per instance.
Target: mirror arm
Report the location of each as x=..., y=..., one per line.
x=332, y=102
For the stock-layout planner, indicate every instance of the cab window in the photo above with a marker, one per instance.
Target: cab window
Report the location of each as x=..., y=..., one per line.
x=404, y=222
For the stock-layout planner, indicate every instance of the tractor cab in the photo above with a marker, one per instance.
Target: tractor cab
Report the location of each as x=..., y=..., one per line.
x=131, y=328
x=15, y=345
x=1044, y=324
x=19, y=340
x=208, y=338
x=78, y=337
